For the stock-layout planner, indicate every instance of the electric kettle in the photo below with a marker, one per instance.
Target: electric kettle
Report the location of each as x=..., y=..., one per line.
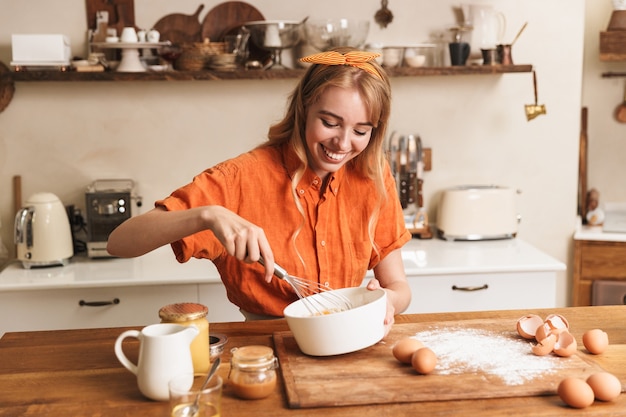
x=42, y=232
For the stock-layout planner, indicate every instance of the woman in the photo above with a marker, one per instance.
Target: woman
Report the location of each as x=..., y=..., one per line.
x=318, y=198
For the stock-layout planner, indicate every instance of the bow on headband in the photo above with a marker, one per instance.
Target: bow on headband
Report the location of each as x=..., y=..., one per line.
x=357, y=59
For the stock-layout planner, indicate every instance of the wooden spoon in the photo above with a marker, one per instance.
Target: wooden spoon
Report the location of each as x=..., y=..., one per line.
x=620, y=110
x=519, y=33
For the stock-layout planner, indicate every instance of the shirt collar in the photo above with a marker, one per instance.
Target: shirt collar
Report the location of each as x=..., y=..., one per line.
x=309, y=179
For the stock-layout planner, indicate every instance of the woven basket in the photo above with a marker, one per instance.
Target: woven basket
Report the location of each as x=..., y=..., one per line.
x=197, y=56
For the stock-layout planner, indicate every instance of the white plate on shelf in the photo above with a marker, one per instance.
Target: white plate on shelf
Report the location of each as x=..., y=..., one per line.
x=157, y=68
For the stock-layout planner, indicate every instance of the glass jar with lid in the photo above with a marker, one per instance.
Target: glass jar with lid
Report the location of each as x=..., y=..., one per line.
x=253, y=371
x=191, y=314
x=420, y=55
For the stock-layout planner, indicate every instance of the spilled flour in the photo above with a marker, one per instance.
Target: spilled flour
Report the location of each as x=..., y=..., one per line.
x=466, y=350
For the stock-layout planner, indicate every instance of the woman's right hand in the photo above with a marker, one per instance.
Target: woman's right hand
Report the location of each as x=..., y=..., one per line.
x=242, y=239
x=158, y=227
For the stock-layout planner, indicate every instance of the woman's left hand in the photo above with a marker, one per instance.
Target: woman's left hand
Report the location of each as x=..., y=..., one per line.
x=389, y=316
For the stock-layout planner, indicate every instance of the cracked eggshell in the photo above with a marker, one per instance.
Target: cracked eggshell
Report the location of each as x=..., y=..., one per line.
x=565, y=344
x=546, y=346
x=542, y=332
x=595, y=341
x=545, y=330
x=527, y=325
x=557, y=321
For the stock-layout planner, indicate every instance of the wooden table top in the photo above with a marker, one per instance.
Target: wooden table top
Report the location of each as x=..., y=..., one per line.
x=75, y=373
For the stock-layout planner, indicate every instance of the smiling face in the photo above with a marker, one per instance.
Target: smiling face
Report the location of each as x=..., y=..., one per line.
x=337, y=129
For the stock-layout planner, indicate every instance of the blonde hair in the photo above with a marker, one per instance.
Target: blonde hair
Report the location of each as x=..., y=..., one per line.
x=375, y=93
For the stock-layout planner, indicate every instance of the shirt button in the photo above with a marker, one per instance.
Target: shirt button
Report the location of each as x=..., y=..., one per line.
x=323, y=243
x=327, y=284
x=315, y=181
x=301, y=191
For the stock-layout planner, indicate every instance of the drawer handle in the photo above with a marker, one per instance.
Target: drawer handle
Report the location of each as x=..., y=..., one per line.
x=98, y=303
x=482, y=287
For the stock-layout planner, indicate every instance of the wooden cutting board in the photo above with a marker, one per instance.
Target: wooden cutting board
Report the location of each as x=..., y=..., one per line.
x=226, y=18
x=374, y=376
x=180, y=28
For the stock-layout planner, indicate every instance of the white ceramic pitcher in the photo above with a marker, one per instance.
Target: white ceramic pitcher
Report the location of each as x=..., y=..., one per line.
x=163, y=354
x=489, y=26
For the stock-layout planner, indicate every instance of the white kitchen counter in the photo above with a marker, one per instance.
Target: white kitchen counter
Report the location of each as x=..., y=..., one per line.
x=92, y=293
x=442, y=257
x=596, y=233
x=159, y=267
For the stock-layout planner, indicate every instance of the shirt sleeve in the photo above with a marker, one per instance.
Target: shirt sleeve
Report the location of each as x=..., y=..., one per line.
x=215, y=186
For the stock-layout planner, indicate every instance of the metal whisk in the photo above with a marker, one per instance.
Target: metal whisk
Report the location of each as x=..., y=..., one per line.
x=317, y=298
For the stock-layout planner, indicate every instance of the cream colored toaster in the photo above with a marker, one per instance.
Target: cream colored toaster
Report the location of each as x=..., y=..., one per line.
x=477, y=212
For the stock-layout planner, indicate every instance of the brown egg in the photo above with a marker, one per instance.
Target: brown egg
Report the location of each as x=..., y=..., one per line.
x=605, y=386
x=527, y=325
x=565, y=344
x=595, y=341
x=424, y=360
x=575, y=392
x=403, y=350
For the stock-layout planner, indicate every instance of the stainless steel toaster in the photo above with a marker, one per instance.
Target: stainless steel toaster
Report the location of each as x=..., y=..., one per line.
x=477, y=212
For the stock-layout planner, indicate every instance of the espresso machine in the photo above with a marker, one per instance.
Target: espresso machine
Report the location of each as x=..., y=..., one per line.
x=107, y=205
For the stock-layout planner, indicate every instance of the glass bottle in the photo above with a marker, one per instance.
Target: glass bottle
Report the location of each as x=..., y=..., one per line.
x=191, y=314
x=253, y=371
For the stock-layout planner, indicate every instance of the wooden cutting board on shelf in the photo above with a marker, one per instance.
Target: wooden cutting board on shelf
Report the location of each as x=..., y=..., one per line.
x=226, y=18
x=374, y=376
x=180, y=28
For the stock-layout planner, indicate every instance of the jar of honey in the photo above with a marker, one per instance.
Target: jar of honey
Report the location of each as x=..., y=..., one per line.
x=191, y=314
x=253, y=371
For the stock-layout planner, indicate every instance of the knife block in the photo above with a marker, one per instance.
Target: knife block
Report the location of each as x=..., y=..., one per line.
x=410, y=194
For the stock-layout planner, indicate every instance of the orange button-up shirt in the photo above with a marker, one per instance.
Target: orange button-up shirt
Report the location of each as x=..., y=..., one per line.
x=333, y=246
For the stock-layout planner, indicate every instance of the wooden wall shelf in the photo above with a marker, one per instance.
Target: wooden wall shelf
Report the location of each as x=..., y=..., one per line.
x=209, y=75
x=8, y=77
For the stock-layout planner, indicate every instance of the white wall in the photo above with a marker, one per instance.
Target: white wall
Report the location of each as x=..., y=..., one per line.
x=607, y=137
x=61, y=136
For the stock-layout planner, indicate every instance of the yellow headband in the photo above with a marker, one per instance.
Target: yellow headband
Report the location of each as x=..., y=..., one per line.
x=357, y=59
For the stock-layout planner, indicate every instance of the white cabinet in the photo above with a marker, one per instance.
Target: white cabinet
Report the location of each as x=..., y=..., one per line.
x=478, y=292
x=62, y=309
x=480, y=275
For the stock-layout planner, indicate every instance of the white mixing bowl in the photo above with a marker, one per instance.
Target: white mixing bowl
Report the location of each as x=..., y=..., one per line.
x=341, y=332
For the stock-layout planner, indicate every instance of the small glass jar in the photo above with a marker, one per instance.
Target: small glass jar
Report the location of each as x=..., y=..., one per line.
x=421, y=55
x=253, y=371
x=191, y=314
x=216, y=345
